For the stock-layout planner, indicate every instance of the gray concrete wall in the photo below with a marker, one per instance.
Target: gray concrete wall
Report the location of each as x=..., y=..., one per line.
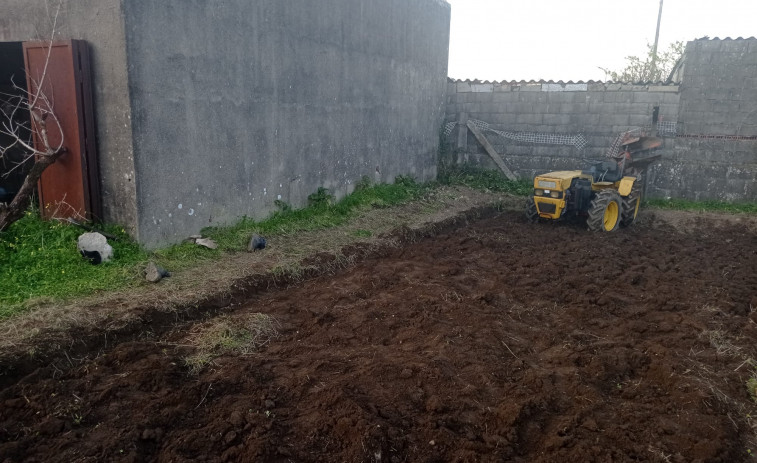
x=598, y=111
x=712, y=153
x=237, y=104
x=100, y=23
x=719, y=90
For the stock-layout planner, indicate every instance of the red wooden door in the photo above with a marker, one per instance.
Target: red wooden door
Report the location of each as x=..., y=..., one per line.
x=60, y=71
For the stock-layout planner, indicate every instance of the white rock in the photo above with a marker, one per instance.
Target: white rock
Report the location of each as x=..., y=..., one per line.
x=207, y=242
x=89, y=243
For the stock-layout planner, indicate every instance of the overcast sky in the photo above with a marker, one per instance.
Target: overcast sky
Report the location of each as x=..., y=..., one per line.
x=570, y=40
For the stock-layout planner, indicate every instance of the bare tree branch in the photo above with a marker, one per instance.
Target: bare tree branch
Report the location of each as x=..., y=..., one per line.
x=43, y=124
x=47, y=59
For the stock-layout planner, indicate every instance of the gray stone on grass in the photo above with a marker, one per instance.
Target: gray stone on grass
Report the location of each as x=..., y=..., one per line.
x=94, y=247
x=257, y=243
x=154, y=273
x=207, y=242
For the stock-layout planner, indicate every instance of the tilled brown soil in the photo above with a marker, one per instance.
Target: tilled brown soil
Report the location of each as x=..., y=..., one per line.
x=498, y=341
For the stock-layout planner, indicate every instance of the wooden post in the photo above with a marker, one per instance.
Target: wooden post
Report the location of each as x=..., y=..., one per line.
x=491, y=151
x=462, y=134
x=461, y=150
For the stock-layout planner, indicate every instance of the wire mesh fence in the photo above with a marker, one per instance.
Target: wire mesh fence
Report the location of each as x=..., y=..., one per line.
x=577, y=140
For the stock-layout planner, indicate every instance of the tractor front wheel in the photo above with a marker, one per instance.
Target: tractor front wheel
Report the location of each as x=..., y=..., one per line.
x=532, y=215
x=604, y=211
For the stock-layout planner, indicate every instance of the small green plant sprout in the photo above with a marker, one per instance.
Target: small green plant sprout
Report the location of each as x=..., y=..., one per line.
x=282, y=205
x=321, y=198
x=751, y=387
x=364, y=183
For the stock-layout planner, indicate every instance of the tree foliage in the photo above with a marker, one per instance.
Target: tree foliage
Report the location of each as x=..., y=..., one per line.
x=642, y=69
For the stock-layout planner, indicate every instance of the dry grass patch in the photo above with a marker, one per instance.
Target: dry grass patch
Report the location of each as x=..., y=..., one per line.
x=225, y=335
x=720, y=341
x=733, y=350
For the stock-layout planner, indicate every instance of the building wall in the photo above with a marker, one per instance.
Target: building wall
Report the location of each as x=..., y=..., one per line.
x=100, y=23
x=709, y=151
x=237, y=104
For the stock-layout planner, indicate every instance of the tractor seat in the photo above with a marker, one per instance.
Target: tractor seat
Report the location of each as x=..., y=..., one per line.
x=605, y=171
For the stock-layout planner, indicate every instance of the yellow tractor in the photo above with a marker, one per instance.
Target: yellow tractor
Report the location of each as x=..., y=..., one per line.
x=608, y=194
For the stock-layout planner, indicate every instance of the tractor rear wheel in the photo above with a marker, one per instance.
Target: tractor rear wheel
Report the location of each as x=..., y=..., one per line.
x=532, y=215
x=604, y=211
x=631, y=206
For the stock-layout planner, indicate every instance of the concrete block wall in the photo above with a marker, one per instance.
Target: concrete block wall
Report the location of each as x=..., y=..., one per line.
x=719, y=88
x=715, y=154
x=718, y=169
x=598, y=111
x=713, y=109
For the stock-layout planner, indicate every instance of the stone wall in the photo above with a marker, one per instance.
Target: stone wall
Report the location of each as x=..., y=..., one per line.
x=708, y=122
x=598, y=111
x=237, y=104
x=702, y=169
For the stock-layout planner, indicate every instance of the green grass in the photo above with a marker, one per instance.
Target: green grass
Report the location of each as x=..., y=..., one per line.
x=484, y=179
x=710, y=206
x=322, y=212
x=39, y=260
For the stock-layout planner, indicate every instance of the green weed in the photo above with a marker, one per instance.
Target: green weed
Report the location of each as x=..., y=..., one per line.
x=484, y=179
x=321, y=198
x=323, y=212
x=709, y=206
